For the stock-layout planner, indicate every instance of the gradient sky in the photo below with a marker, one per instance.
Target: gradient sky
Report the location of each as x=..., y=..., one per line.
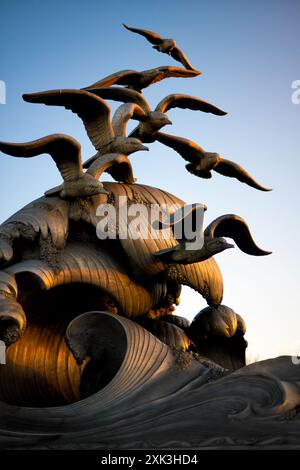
x=249, y=54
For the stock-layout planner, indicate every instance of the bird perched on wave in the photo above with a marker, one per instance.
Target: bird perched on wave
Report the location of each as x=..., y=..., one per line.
x=95, y=114
x=179, y=255
x=66, y=152
x=139, y=80
x=165, y=45
x=201, y=163
x=152, y=121
x=229, y=225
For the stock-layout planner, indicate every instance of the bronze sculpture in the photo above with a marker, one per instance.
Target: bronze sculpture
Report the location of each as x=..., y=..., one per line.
x=93, y=341
x=66, y=152
x=201, y=163
x=153, y=121
x=139, y=80
x=167, y=46
x=95, y=114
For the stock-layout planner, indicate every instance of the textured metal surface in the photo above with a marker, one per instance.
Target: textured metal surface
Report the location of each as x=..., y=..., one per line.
x=160, y=399
x=81, y=372
x=51, y=216
x=40, y=370
x=84, y=264
x=204, y=277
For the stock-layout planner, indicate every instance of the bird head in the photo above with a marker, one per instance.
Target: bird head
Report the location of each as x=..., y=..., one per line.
x=85, y=187
x=159, y=120
x=128, y=145
x=217, y=245
x=94, y=187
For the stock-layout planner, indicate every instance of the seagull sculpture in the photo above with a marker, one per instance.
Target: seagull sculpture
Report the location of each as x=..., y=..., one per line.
x=66, y=152
x=139, y=80
x=95, y=114
x=230, y=225
x=165, y=45
x=201, y=163
x=152, y=121
x=122, y=115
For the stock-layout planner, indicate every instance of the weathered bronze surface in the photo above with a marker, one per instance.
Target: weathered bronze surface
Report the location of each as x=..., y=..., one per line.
x=96, y=357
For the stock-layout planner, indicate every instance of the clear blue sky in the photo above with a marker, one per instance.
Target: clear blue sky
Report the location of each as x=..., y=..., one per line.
x=249, y=53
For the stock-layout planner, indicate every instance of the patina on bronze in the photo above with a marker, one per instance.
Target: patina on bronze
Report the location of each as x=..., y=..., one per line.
x=96, y=356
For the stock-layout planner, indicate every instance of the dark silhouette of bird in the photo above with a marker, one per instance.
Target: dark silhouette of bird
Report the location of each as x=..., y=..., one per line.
x=139, y=80
x=201, y=163
x=165, y=45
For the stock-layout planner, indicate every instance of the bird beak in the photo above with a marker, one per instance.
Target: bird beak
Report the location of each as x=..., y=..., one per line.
x=143, y=147
x=103, y=191
x=229, y=245
x=169, y=122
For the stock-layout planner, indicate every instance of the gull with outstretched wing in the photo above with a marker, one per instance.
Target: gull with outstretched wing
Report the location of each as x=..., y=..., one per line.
x=165, y=45
x=226, y=226
x=66, y=153
x=95, y=115
x=152, y=121
x=139, y=80
x=201, y=163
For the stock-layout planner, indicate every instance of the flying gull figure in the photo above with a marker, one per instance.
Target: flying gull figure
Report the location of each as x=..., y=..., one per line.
x=167, y=46
x=152, y=121
x=201, y=163
x=139, y=80
x=95, y=114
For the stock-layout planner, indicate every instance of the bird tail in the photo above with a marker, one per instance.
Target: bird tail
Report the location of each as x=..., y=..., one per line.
x=201, y=173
